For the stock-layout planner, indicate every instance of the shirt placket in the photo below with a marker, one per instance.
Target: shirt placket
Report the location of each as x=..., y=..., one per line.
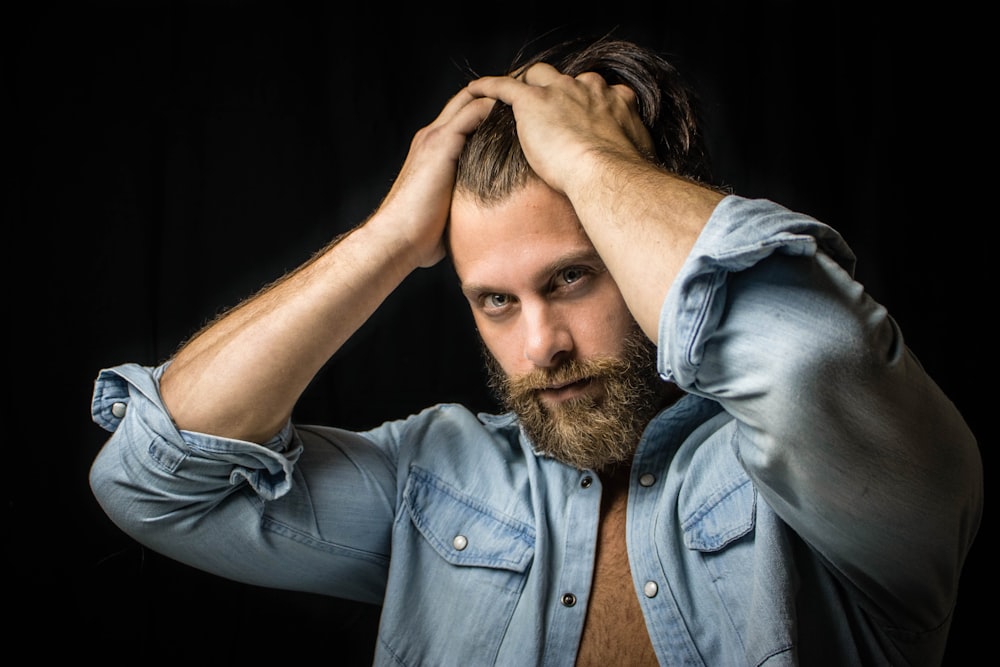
x=571, y=593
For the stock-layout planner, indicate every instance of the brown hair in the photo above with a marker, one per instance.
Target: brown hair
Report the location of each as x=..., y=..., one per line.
x=492, y=165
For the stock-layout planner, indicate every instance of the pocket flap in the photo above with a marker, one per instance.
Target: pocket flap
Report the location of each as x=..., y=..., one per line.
x=463, y=529
x=715, y=516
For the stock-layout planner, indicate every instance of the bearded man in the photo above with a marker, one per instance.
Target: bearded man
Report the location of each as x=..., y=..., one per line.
x=717, y=450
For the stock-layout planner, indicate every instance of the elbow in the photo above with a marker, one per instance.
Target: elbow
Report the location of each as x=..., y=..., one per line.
x=110, y=490
x=129, y=500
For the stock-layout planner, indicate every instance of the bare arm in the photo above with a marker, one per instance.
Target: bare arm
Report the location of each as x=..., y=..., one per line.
x=241, y=376
x=585, y=139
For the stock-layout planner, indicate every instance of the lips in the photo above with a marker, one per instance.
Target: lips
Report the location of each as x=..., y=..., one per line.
x=561, y=391
x=561, y=385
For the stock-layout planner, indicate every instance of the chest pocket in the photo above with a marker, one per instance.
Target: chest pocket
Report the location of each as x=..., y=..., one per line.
x=465, y=530
x=458, y=569
x=724, y=514
x=717, y=503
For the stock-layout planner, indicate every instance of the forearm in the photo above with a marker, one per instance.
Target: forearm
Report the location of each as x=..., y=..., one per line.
x=241, y=376
x=643, y=222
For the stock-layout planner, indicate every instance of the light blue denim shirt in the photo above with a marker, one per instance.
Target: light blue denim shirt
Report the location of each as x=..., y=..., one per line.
x=810, y=500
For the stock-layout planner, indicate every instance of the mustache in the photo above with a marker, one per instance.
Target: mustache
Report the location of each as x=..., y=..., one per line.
x=566, y=373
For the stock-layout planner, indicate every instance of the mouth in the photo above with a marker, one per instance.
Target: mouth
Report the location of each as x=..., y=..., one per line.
x=563, y=391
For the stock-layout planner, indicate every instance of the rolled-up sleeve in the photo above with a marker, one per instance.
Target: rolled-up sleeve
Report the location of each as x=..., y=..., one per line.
x=210, y=502
x=846, y=436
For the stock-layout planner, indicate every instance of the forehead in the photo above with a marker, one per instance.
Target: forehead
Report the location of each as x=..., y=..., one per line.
x=531, y=227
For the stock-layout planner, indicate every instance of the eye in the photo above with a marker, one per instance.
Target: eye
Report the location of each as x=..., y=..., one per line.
x=572, y=274
x=571, y=279
x=574, y=281
x=495, y=303
x=497, y=300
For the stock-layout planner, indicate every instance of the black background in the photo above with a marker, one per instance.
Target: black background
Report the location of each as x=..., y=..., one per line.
x=167, y=159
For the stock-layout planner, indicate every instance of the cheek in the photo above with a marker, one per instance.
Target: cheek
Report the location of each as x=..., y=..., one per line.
x=501, y=343
x=605, y=326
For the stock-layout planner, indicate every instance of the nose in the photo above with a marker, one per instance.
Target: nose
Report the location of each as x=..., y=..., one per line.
x=547, y=337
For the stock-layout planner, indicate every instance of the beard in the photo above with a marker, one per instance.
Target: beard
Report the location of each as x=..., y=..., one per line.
x=596, y=432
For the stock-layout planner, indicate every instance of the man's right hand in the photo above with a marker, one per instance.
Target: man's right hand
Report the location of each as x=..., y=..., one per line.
x=241, y=376
x=419, y=200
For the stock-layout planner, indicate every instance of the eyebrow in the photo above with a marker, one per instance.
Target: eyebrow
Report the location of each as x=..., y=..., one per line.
x=585, y=256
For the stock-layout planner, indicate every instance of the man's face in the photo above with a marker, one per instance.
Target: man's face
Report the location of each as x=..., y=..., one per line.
x=561, y=345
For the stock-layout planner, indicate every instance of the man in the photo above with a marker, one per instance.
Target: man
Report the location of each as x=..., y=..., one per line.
x=719, y=450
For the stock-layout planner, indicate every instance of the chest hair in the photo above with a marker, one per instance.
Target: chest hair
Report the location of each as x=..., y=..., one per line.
x=614, y=632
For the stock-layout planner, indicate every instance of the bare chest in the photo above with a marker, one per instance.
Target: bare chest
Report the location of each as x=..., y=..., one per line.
x=614, y=632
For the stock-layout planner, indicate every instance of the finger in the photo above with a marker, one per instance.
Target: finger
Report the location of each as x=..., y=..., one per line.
x=460, y=100
x=632, y=120
x=540, y=74
x=468, y=117
x=626, y=94
x=592, y=79
x=503, y=88
x=627, y=97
